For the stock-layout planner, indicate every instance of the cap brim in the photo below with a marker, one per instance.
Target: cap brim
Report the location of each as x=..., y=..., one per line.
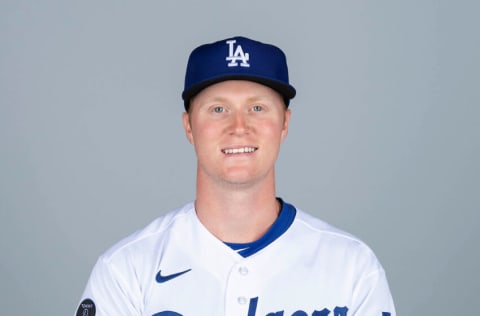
x=287, y=91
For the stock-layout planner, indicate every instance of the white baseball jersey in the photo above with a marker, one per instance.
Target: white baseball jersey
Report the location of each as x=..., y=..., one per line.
x=176, y=267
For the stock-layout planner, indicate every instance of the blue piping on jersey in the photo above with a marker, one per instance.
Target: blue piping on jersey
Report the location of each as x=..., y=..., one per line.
x=280, y=226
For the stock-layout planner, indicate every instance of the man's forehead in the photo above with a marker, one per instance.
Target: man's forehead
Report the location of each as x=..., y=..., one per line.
x=248, y=90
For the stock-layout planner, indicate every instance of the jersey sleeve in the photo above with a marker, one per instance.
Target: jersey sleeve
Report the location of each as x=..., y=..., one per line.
x=372, y=296
x=110, y=293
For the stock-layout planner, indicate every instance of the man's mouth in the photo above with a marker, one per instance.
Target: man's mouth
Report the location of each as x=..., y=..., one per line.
x=241, y=150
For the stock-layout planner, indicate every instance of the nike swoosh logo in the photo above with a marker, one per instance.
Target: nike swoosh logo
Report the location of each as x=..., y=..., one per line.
x=164, y=278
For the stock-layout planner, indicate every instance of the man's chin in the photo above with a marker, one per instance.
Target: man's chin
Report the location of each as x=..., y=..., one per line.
x=242, y=181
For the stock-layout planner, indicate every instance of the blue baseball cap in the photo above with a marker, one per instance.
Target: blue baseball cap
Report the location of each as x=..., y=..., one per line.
x=237, y=58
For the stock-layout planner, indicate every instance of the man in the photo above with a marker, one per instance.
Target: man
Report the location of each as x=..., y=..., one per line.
x=237, y=249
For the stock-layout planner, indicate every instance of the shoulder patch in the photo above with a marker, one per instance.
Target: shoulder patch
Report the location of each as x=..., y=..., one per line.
x=86, y=308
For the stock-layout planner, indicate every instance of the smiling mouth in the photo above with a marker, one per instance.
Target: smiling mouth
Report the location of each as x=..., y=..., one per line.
x=242, y=150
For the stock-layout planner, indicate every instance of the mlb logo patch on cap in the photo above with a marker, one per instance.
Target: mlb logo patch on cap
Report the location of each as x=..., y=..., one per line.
x=237, y=58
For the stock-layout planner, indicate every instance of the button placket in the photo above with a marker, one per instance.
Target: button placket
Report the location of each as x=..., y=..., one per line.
x=243, y=271
x=241, y=288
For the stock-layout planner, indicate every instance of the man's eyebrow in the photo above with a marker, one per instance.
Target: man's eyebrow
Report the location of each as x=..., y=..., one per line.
x=224, y=99
x=212, y=99
x=259, y=98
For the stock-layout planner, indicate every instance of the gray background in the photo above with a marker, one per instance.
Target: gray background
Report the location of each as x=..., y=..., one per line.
x=384, y=141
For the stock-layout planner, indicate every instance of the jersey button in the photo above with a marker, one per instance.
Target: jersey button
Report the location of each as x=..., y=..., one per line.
x=243, y=270
x=242, y=300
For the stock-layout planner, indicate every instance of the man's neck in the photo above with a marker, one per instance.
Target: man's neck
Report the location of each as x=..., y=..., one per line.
x=237, y=215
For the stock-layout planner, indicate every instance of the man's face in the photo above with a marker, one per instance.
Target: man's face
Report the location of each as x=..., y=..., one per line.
x=236, y=128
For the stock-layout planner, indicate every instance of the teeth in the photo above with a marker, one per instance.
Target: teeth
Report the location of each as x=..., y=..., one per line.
x=239, y=150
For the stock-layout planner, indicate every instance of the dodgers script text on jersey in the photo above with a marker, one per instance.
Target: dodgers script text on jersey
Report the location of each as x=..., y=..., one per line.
x=176, y=267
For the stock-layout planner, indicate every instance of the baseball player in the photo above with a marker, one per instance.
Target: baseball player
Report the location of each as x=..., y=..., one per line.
x=237, y=249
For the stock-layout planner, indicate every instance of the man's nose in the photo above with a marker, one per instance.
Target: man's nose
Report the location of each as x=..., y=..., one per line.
x=240, y=123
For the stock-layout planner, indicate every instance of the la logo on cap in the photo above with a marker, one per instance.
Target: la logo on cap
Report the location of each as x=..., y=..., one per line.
x=236, y=54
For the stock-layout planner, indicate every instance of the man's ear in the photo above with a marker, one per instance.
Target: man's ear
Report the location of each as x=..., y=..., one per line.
x=286, y=122
x=187, y=126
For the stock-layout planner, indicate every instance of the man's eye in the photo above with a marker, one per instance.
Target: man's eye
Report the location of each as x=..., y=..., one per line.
x=218, y=109
x=257, y=108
